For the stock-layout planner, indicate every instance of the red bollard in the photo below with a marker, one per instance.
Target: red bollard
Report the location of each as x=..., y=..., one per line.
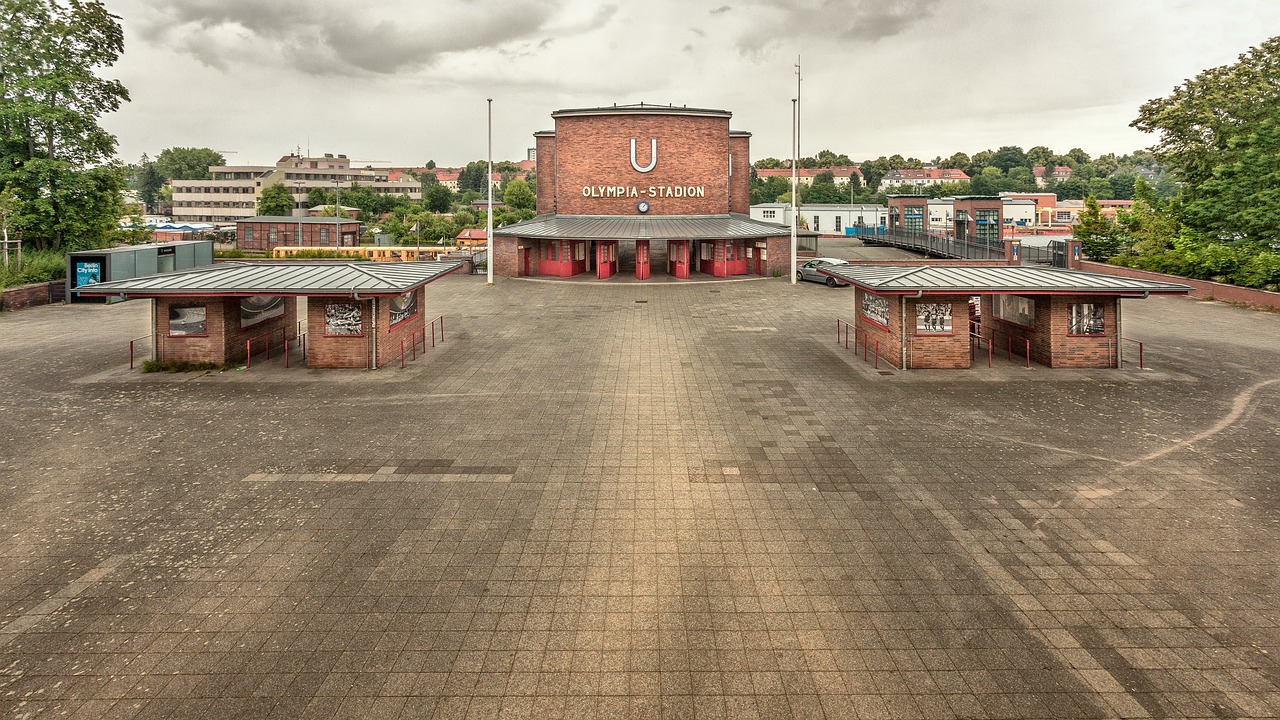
x=248, y=354
x=846, y=337
x=433, y=333
x=401, y=353
x=1141, y=366
x=838, y=332
x=441, y=328
x=877, y=366
x=1028, y=354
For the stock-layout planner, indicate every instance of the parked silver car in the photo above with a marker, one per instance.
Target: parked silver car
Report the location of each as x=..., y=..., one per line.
x=809, y=271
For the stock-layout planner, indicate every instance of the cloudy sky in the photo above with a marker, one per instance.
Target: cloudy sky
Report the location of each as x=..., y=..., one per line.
x=403, y=81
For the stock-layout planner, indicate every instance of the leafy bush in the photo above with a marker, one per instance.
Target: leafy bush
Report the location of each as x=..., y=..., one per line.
x=37, y=266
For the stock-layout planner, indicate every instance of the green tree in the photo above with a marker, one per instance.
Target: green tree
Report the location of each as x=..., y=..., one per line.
x=1242, y=196
x=183, y=163
x=988, y=182
x=518, y=195
x=1040, y=155
x=824, y=190
x=147, y=181
x=275, y=201
x=53, y=152
x=431, y=164
x=1097, y=235
x=437, y=198
x=873, y=171
x=1009, y=157
x=958, y=161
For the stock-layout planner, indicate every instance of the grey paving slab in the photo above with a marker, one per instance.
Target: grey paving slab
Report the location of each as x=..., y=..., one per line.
x=625, y=500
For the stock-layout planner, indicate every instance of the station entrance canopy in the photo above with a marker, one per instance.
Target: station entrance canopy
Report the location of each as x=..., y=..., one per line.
x=918, y=315
x=358, y=314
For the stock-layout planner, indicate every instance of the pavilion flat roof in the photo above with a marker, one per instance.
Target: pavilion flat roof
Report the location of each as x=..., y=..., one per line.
x=343, y=279
x=656, y=227
x=994, y=279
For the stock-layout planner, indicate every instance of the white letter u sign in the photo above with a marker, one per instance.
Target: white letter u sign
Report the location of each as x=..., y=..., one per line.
x=653, y=155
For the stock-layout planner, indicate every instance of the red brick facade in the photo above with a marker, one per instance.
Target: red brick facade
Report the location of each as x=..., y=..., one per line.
x=356, y=351
x=224, y=340
x=740, y=178
x=545, y=147
x=593, y=155
x=932, y=348
x=24, y=296
x=258, y=236
x=1049, y=340
x=347, y=351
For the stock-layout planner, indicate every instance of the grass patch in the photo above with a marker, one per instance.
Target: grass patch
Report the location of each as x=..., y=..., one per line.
x=177, y=366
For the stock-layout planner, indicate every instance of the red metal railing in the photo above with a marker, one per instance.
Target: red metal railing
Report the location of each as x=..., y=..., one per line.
x=858, y=335
x=1011, y=342
x=131, y=346
x=1141, y=360
x=412, y=349
x=266, y=338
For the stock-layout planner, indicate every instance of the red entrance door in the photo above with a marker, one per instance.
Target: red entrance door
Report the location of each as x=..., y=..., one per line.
x=678, y=258
x=524, y=262
x=642, y=259
x=606, y=259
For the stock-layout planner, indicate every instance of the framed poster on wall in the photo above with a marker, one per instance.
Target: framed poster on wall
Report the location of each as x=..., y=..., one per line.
x=403, y=307
x=260, y=308
x=1015, y=309
x=1086, y=319
x=933, y=319
x=343, y=319
x=876, y=309
x=187, y=320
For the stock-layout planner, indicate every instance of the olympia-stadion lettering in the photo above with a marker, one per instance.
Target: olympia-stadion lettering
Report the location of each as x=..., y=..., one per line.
x=653, y=191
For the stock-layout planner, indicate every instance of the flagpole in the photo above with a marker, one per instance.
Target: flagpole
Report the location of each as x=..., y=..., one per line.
x=488, y=179
x=795, y=157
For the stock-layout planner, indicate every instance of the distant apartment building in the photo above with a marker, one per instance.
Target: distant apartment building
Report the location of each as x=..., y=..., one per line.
x=232, y=194
x=1044, y=176
x=805, y=176
x=921, y=177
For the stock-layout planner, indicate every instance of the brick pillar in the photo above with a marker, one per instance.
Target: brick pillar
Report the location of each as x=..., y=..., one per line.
x=1013, y=252
x=1074, y=254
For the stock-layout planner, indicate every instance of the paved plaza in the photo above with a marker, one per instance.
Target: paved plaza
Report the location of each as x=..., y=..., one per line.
x=628, y=500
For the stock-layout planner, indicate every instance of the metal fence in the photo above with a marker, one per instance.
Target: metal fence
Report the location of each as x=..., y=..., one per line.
x=937, y=245
x=944, y=246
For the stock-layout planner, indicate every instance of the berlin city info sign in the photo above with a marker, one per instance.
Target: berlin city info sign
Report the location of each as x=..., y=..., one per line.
x=653, y=191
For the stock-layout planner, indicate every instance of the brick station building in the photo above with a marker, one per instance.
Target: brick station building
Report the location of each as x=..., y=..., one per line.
x=918, y=316
x=358, y=314
x=649, y=189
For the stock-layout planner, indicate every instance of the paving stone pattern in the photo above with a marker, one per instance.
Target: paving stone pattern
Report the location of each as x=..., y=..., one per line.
x=676, y=501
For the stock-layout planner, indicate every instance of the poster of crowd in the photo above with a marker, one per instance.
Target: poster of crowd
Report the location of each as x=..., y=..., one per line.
x=343, y=319
x=876, y=309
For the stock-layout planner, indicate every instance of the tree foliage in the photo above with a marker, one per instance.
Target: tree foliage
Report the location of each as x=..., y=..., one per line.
x=275, y=201
x=187, y=163
x=53, y=152
x=518, y=195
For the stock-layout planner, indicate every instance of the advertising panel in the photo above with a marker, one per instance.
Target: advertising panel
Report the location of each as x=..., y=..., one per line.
x=187, y=320
x=403, y=307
